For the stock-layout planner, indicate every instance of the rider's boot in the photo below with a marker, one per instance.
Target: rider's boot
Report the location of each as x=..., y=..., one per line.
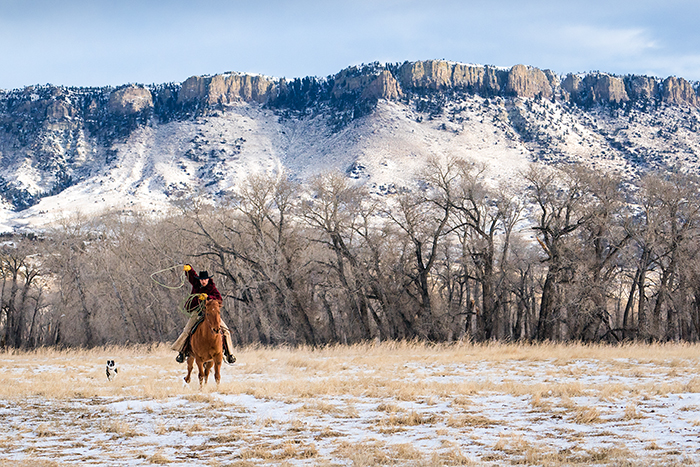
x=182, y=355
x=230, y=359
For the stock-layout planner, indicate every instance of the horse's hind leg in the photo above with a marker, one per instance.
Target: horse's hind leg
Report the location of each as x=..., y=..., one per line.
x=190, y=360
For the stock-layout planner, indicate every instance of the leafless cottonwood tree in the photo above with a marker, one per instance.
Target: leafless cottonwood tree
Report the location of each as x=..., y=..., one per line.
x=560, y=198
x=483, y=221
x=20, y=295
x=669, y=227
x=333, y=209
x=602, y=237
x=423, y=216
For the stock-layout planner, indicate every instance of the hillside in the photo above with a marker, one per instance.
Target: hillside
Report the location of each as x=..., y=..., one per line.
x=141, y=147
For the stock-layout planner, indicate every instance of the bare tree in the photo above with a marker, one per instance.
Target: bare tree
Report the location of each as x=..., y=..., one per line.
x=560, y=197
x=423, y=216
x=333, y=208
x=482, y=215
x=603, y=236
x=20, y=274
x=673, y=210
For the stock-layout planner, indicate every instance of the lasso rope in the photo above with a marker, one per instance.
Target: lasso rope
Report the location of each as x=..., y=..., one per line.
x=183, y=277
x=184, y=304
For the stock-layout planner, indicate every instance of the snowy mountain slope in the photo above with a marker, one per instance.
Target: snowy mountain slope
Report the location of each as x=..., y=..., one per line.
x=70, y=151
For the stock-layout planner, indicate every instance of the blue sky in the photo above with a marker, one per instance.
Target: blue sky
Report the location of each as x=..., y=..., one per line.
x=97, y=43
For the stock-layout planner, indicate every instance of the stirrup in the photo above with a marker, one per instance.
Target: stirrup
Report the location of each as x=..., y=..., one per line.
x=180, y=357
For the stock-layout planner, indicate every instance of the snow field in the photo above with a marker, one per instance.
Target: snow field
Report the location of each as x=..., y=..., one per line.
x=389, y=404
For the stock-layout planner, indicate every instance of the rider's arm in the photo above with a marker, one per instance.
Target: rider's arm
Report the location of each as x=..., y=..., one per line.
x=192, y=276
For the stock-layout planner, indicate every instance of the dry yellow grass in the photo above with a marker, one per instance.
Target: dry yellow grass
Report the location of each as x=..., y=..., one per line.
x=393, y=391
x=366, y=370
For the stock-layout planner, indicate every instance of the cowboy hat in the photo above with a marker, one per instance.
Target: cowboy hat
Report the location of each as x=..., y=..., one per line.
x=203, y=275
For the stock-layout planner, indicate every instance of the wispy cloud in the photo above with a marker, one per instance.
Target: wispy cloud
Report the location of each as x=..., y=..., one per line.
x=605, y=42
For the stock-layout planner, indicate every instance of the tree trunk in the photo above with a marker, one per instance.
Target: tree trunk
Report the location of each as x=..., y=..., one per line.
x=627, y=316
x=86, y=313
x=545, y=324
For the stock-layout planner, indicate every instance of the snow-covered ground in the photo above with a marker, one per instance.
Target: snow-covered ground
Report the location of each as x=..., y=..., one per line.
x=392, y=404
x=213, y=154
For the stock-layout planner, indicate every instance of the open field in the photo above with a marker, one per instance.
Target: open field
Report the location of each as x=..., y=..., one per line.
x=384, y=404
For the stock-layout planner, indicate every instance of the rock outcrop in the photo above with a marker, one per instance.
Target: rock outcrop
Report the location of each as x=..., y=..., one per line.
x=438, y=74
x=383, y=86
x=678, y=91
x=431, y=74
x=486, y=80
x=352, y=81
x=595, y=88
x=59, y=110
x=386, y=82
x=130, y=100
x=642, y=87
x=226, y=89
x=606, y=88
x=524, y=81
x=520, y=80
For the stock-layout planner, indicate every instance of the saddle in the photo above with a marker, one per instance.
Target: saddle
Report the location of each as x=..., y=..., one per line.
x=200, y=320
x=186, y=348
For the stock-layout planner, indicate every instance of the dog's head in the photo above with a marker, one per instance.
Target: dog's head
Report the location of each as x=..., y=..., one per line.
x=111, y=369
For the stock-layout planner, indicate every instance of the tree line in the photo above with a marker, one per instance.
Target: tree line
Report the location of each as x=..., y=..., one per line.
x=566, y=254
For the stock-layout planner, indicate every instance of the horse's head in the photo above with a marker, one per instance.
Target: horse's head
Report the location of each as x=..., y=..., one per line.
x=213, y=315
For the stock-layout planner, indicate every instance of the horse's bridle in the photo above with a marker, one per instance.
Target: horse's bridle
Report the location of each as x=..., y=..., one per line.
x=214, y=330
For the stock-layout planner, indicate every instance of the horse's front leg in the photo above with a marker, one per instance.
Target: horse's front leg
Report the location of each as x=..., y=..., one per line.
x=190, y=360
x=201, y=371
x=217, y=369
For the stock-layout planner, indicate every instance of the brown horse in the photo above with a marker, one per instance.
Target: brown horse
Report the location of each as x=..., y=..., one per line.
x=206, y=345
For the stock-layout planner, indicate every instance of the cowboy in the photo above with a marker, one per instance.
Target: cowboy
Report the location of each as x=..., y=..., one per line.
x=202, y=283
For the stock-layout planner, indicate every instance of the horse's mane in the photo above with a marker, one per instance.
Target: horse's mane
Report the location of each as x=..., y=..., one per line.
x=213, y=305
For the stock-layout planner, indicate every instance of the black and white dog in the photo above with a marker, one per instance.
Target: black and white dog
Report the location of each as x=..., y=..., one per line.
x=112, y=370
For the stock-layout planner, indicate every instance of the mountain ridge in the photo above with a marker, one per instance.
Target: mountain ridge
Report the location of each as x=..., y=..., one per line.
x=208, y=132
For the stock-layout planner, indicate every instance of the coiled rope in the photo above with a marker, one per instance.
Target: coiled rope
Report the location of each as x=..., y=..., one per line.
x=183, y=306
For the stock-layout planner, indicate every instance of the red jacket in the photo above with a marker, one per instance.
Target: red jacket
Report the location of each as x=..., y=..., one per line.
x=209, y=289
